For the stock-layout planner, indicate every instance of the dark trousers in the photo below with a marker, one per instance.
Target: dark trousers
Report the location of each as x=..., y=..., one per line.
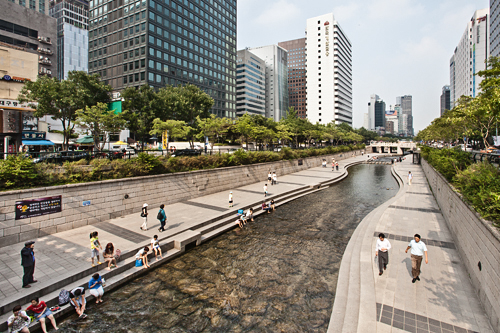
x=28, y=274
x=416, y=261
x=162, y=227
x=383, y=260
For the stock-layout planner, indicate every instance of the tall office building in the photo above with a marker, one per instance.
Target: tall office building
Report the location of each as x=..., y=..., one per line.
x=379, y=110
x=397, y=109
x=41, y=6
x=406, y=104
x=495, y=28
x=275, y=58
x=176, y=42
x=371, y=112
x=445, y=100
x=297, y=71
x=470, y=57
x=250, y=84
x=72, y=35
x=391, y=117
x=329, y=71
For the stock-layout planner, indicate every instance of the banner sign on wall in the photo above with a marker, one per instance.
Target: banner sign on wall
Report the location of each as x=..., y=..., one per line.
x=38, y=207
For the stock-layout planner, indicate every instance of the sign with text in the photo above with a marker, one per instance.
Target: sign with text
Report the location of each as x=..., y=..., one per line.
x=38, y=207
x=34, y=135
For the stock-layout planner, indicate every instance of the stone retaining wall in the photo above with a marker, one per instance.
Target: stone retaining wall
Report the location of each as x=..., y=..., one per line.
x=477, y=241
x=108, y=198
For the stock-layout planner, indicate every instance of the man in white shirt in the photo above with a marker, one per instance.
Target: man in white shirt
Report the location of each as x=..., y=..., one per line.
x=381, y=250
x=418, y=249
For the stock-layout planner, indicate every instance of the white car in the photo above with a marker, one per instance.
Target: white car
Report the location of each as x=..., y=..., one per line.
x=468, y=148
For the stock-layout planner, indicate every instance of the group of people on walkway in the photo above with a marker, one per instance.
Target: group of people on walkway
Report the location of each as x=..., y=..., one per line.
x=417, y=248
x=162, y=217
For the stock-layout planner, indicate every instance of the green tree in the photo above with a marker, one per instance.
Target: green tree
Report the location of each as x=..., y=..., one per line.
x=244, y=126
x=213, y=128
x=142, y=106
x=61, y=99
x=99, y=121
x=175, y=128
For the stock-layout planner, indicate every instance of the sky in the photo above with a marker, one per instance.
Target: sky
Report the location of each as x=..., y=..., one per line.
x=400, y=47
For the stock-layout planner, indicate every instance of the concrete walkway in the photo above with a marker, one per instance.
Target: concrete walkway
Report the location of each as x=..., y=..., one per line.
x=443, y=301
x=62, y=255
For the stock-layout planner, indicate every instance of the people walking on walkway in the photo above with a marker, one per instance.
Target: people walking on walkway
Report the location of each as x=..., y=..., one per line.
x=28, y=263
x=95, y=287
x=410, y=177
x=275, y=178
x=19, y=321
x=162, y=217
x=265, y=190
x=323, y=164
x=141, y=258
x=337, y=166
x=230, y=199
x=418, y=250
x=77, y=299
x=41, y=312
x=144, y=215
x=382, y=251
x=95, y=245
x=333, y=165
x=269, y=177
x=109, y=255
x=155, y=244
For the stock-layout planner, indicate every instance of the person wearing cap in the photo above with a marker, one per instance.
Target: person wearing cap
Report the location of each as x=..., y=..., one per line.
x=144, y=214
x=28, y=263
x=230, y=199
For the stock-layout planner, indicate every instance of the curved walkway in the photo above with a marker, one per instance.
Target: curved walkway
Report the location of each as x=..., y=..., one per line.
x=443, y=301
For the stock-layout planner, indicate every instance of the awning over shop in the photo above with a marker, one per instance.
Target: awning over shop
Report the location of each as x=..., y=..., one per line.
x=86, y=140
x=38, y=143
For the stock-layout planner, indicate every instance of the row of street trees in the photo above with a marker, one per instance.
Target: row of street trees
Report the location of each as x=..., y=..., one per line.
x=183, y=111
x=471, y=118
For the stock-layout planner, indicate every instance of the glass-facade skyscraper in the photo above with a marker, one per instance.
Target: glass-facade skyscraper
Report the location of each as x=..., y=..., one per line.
x=161, y=42
x=72, y=35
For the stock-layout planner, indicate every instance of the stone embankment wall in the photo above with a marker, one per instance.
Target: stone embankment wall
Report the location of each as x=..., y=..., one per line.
x=477, y=241
x=114, y=198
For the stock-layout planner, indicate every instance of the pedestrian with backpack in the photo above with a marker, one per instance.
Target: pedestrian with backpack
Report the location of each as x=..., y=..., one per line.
x=162, y=217
x=94, y=247
x=144, y=215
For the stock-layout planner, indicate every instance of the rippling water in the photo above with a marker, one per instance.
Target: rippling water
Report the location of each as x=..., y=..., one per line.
x=279, y=274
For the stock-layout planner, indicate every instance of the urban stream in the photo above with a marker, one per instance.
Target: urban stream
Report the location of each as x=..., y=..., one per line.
x=278, y=274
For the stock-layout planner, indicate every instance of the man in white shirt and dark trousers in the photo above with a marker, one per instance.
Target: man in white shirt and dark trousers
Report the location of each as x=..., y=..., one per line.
x=383, y=245
x=418, y=250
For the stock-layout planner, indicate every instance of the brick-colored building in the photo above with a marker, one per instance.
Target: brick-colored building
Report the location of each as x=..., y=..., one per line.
x=297, y=73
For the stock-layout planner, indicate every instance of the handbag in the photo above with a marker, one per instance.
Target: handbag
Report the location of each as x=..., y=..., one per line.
x=159, y=216
x=143, y=215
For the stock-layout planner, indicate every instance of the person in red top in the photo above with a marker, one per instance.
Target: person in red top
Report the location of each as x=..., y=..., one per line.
x=41, y=312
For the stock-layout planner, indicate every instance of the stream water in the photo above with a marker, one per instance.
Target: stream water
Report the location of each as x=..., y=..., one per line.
x=279, y=274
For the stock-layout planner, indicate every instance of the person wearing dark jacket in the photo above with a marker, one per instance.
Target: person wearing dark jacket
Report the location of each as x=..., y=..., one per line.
x=28, y=263
x=162, y=217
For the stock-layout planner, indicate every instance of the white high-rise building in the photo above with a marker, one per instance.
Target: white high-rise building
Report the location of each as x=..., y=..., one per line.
x=276, y=60
x=371, y=112
x=250, y=84
x=329, y=71
x=470, y=57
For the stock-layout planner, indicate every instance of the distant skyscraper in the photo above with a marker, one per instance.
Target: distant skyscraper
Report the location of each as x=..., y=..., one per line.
x=297, y=91
x=275, y=58
x=371, y=112
x=72, y=35
x=41, y=6
x=406, y=111
x=452, y=80
x=174, y=42
x=391, y=116
x=470, y=56
x=250, y=84
x=329, y=72
x=379, y=114
x=494, y=28
x=445, y=100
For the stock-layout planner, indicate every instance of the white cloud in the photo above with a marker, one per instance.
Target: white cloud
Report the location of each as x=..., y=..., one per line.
x=344, y=13
x=394, y=10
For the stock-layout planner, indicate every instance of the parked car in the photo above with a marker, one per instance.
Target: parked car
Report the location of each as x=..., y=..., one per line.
x=186, y=152
x=464, y=148
x=198, y=147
